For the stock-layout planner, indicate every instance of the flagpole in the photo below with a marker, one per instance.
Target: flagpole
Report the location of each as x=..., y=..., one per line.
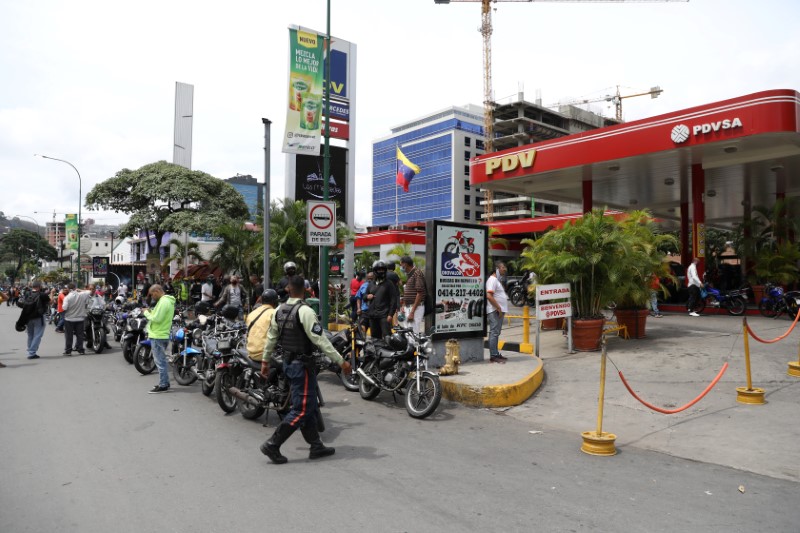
x=396, y=210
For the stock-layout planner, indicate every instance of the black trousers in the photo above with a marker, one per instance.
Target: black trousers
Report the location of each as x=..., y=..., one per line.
x=694, y=295
x=379, y=327
x=76, y=328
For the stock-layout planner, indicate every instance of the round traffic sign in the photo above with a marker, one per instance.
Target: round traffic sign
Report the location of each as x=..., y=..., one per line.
x=321, y=217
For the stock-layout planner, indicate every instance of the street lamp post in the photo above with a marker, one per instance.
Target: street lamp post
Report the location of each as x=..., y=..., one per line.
x=80, y=203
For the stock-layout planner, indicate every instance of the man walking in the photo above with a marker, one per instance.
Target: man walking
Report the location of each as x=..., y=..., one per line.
x=158, y=326
x=295, y=327
x=232, y=295
x=413, y=295
x=695, y=284
x=496, y=308
x=75, y=311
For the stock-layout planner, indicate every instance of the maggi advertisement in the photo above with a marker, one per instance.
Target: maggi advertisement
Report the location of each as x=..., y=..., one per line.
x=304, y=102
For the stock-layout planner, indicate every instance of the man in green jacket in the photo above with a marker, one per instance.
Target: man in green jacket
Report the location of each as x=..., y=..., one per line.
x=158, y=327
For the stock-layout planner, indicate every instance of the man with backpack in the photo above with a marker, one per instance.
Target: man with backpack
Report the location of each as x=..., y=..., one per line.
x=258, y=322
x=34, y=306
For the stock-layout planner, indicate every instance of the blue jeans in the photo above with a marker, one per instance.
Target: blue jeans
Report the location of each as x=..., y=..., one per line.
x=495, y=320
x=159, y=349
x=35, y=333
x=654, y=302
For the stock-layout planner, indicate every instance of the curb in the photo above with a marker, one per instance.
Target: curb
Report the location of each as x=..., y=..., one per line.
x=494, y=395
x=518, y=347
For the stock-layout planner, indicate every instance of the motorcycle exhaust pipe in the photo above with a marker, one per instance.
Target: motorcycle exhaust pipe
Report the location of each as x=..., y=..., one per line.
x=364, y=375
x=233, y=391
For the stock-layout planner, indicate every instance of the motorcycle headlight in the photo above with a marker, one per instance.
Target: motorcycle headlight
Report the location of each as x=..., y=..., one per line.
x=427, y=348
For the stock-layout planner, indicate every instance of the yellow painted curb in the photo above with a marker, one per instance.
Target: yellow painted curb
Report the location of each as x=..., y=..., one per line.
x=494, y=395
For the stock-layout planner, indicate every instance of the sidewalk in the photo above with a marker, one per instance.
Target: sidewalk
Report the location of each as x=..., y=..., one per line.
x=677, y=360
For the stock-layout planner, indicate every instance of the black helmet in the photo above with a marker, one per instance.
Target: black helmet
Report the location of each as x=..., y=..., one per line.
x=379, y=268
x=269, y=297
x=202, y=308
x=288, y=265
x=398, y=342
x=230, y=312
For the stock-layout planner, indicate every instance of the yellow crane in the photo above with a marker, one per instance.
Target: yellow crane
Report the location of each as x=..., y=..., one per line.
x=615, y=99
x=488, y=99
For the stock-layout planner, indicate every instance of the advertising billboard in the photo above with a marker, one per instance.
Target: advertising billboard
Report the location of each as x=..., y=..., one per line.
x=309, y=178
x=304, y=104
x=460, y=253
x=99, y=267
x=71, y=229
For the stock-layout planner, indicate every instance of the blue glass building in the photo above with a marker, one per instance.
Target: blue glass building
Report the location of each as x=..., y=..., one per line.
x=441, y=144
x=251, y=190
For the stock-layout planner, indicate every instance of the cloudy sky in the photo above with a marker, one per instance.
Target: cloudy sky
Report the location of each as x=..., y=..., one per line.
x=93, y=82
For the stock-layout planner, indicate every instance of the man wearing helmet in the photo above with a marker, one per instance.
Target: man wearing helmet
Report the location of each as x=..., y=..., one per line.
x=296, y=328
x=289, y=269
x=258, y=322
x=381, y=296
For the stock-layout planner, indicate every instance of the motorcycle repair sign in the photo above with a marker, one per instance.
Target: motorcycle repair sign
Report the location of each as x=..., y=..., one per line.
x=460, y=252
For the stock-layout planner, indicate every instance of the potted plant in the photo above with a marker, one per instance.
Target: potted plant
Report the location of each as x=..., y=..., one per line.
x=590, y=254
x=644, y=261
x=778, y=264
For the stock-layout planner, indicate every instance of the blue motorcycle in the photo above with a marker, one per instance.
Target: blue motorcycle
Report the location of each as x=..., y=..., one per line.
x=776, y=302
x=735, y=302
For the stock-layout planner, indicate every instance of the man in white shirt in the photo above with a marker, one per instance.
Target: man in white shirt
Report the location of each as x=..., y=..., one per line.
x=207, y=291
x=695, y=284
x=496, y=308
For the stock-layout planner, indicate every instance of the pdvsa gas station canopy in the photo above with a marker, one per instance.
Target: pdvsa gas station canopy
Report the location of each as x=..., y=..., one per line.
x=709, y=163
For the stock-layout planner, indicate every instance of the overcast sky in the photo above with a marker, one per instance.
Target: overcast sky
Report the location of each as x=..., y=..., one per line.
x=93, y=82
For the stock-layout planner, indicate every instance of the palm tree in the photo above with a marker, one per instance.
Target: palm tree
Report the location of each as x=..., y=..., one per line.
x=287, y=228
x=239, y=252
x=181, y=253
x=364, y=260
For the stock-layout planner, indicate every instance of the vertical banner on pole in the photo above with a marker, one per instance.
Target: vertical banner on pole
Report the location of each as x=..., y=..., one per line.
x=71, y=229
x=305, y=92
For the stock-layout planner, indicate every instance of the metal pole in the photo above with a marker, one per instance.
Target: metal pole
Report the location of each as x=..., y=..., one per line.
x=323, y=257
x=602, y=389
x=747, y=354
x=266, y=217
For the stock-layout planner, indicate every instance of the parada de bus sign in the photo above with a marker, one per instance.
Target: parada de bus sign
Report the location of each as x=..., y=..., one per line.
x=320, y=223
x=546, y=293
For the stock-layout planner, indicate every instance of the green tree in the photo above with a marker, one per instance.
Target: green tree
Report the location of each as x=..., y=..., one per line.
x=287, y=236
x=240, y=252
x=363, y=260
x=162, y=197
x=182, y=253
x=26, y=247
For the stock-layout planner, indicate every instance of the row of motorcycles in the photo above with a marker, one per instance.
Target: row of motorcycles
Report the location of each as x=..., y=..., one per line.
x=211, y=348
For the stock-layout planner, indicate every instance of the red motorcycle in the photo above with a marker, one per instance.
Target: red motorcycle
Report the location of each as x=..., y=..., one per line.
x=460, y=243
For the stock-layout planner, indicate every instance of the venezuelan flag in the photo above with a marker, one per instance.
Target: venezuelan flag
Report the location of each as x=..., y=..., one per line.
x=406, y=170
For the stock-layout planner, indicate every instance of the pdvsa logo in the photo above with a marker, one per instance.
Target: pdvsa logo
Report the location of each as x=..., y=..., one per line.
x=681, y=132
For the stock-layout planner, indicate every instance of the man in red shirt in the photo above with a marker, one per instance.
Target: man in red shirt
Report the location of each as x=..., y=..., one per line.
x=355, y=284
x=61, y=296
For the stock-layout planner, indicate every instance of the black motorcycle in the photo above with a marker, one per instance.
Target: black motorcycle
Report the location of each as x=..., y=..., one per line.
x=95, y=328
x=135, y=332
x=401, y=364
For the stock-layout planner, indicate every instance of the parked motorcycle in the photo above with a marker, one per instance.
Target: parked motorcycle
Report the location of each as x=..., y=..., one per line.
x=401, y=363
x=776, y=302
x=134, y=333
x=735, y=302
x=222, y=334
x=519, y=294
x=95, y=327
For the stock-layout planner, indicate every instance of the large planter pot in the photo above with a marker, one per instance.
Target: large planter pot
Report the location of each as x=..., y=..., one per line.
x=550, y=324
x=634, y=320
x=586, y=334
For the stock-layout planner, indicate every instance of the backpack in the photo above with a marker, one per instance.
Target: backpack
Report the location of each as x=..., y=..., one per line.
x=32, y=304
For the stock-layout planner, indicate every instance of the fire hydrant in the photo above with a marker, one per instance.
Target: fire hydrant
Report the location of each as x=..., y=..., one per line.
x=452, y=358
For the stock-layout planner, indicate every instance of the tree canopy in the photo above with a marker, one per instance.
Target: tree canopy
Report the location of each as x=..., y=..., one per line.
x=162, y=197
x=23, y=246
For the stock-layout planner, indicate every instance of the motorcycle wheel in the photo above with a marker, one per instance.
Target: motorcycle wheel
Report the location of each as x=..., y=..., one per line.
x=366, y=389
x=736, y=306
x=767, y=308
x=127, y=351
x=517, y=296
x=450, y=248
x=424, y=402
x=99, y=342
x=143, y=360
x=250, y=412
x=226, y=401
x=183, y=372
x=207, y=386
x=350, y=382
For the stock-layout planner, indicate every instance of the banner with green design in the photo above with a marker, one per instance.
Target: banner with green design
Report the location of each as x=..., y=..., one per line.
x=71, y=229
x=306, y=51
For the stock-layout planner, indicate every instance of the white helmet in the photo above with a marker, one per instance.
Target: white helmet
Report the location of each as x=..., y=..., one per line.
x=288, y=265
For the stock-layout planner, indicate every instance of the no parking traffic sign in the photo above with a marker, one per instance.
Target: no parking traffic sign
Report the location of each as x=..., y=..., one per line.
x=321, y=223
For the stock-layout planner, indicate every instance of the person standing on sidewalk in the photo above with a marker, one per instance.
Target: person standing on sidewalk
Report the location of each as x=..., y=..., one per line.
x=75, y=311
x=695, y=284
x=159, y=322
x=60, y=309
x=655, y=284
x=413, y=295
x=496, y=309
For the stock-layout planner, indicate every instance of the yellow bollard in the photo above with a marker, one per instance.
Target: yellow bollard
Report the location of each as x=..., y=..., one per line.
x=794, y=368
x=748, y=395
x=597, y=442
x=526, y=346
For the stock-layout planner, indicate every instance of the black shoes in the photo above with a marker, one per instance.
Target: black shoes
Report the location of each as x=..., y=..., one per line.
x=318, y=450
x=498, y=359
x=33, y=356
x=81, y=352
x=67, y=352
x=273, y=451
x=158, y=389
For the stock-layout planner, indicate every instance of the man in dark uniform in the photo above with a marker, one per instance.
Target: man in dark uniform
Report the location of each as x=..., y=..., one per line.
x=382, y=297
x=295, y=326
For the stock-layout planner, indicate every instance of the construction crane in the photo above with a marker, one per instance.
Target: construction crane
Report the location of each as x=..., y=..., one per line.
x=615, y=99
x=488, y=99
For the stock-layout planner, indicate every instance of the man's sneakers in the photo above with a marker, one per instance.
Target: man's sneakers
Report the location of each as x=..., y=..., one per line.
x=158, y=389
x=67, y=352
x=498, y=359
x=693, y=314
x=33, y=356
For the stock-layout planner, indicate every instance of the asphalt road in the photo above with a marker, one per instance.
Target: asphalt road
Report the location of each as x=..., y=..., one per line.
x=86, y=449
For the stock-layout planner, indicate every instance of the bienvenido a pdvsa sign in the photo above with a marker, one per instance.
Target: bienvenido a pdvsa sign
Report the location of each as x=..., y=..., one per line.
x=546, y=307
